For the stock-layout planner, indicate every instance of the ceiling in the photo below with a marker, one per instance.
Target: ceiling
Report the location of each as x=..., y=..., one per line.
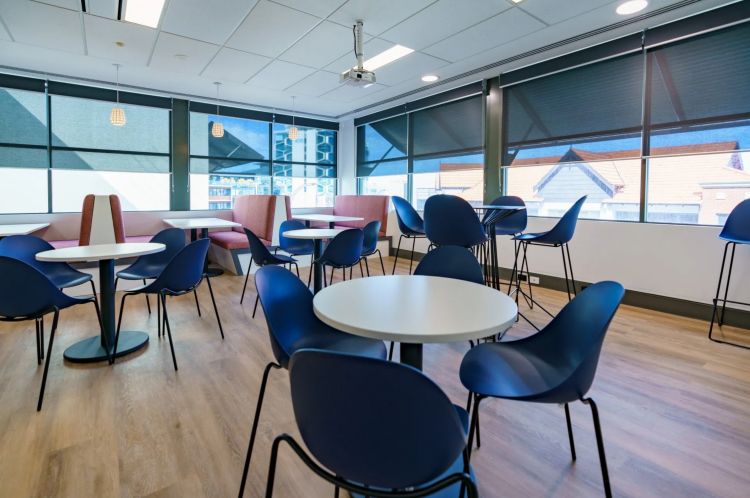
x=264, y=52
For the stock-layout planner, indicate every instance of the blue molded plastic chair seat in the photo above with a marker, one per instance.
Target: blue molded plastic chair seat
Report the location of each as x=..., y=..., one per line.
x=292, y=325
x=402, y=440
x=27, y=294
x=371, y=233
x=410, y=224
x=736, y=230
x=556, y=365
x=182, y=275
x=343, y=251
x=294, y=247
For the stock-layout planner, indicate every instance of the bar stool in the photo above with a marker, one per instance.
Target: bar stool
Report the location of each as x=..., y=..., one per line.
x=736, y=231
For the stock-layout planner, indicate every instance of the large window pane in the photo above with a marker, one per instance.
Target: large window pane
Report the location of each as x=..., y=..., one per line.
x=23, y=190
x=456, y=175
x=137, y=191
x=242, y=139
x=312, y=145
x=697, y=189
x=219, y=191
x=382, y=140
x=383, y=168
x=21, y=157
x=84, y=123
x=451, y=127
x=102, y=161
x=383, y=185
x=24, y=117
x=306, y=192
x=587, y=149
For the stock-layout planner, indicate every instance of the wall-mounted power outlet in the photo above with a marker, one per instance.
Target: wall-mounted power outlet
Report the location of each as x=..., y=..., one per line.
x=534, y=280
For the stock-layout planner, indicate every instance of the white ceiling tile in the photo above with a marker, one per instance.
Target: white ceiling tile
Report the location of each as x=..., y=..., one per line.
x=43, y=25
x=315, y=85
x=102, y=33
x=279, y=75
x=234, y=65
x=551, y=12
x=372, y=47
x=378, y=15
x=495, y=31
x=350, y=93
x=181, y=55
x=4, y=35
x=102, y=8
x=413, y=66
x=325, y=43
x=65, y=4
x=441, y=20
x=319, y=8
x=270, y=29
x=204, y=20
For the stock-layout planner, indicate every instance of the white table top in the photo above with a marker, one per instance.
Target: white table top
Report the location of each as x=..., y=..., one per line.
x=21, y=229
x=327, y=218
x=313, y=233
x=199, y=223
x=415, y=309
x=100, y=252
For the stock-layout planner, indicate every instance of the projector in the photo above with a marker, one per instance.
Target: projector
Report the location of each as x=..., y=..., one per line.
x=358, y=77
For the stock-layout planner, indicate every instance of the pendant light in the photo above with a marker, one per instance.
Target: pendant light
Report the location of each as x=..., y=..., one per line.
x=117, y=115
x=292, y=131
x=217, y=130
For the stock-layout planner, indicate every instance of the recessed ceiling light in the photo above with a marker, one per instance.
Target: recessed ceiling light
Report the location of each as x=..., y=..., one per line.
x=386, y=57
x=517, y=1
x=145, y=12
x=430, y=78
x=631, y=7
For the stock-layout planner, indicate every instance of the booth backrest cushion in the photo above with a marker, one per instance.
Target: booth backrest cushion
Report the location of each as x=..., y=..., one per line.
x=101, y=220
x=369, y=207
x=257, y=213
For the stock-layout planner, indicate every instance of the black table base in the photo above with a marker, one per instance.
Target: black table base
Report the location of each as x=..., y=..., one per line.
x=91, y=350
x=411, y=354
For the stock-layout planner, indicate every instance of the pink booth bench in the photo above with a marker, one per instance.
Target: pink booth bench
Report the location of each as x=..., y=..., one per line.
x=369, y=207
x=260, y=214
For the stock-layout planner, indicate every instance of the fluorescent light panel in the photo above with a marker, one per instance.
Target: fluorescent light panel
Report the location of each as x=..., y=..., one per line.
x=144, y=12
x=386, y=57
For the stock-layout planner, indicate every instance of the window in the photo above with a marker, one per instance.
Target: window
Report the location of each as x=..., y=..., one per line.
x=89, y=155
x=456, y=175
x=384, y=185
x=23, y=151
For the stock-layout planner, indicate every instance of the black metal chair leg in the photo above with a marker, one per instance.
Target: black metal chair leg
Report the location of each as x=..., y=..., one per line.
x=38, y=349
x=390, y=351
x=254, y=429
x=411, y=258
x=600, y=446
x=247, y=276
x=255, y=308
x=46, y=361
x=570, y=433
x=565, y=269
x=197, y=304
x=216, y=310
x=169, y=329
x=726, y=289
x=473, y=424
x=148, y=304
x=309, y=273
x=398, y=248
x=361, y=271
x=718, y=290
x=93, y=291
x=296, y=268
x=117, y=331
x=570, y=265
x=272, y=467
x=158, y=317
x=382, y=266
x=367, y=267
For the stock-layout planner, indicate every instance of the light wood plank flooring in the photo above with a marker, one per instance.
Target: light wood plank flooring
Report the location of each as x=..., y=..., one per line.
x=674, y=408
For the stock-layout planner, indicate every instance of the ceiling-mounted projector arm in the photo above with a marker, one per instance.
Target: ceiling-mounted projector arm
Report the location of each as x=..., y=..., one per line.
x=358, y=50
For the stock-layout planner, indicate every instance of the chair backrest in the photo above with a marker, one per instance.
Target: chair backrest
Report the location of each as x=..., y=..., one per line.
x=344, y=249
x=258, y=250
x=101, y=220
x=409, y=221
x=565, y=228
x=406, y=431
x=451, y=262
x=570, y=344
x=737, y=226
x=293, y=245
x=288, y=307
x=451, y=221
x=513, y=223
x=173, y=240
x=25, y=248
x=26, y=291
x=370, y=235
x=185, y=270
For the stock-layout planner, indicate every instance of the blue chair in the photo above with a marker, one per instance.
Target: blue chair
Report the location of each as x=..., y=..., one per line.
x=371, y=233
x=150, y=266
x=514, y=223
x=343, y=251
x=556, y=365
x=450, y=220
x=409, y=441
x=182, y=275
x=27, y=294
x=262, y=256
x=292, y=325
x=558, y=236
x=26, y=247
x=294, y=247
x=736, y=231
x=410, y=224
x=451, y=262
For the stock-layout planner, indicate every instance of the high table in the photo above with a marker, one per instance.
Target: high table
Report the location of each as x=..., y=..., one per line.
x=98, y=348
x=202, y=224
x=497, y=213
x=21, y=229
x=325, y=218
x=317, y=235
x=415, y=310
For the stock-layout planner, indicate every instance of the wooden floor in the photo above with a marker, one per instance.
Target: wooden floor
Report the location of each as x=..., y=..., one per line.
x=675, y=412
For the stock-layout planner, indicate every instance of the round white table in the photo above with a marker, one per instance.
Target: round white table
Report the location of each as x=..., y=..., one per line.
x=331, y=219
x=99, y=348
x=415, y=310
x=317, y=235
